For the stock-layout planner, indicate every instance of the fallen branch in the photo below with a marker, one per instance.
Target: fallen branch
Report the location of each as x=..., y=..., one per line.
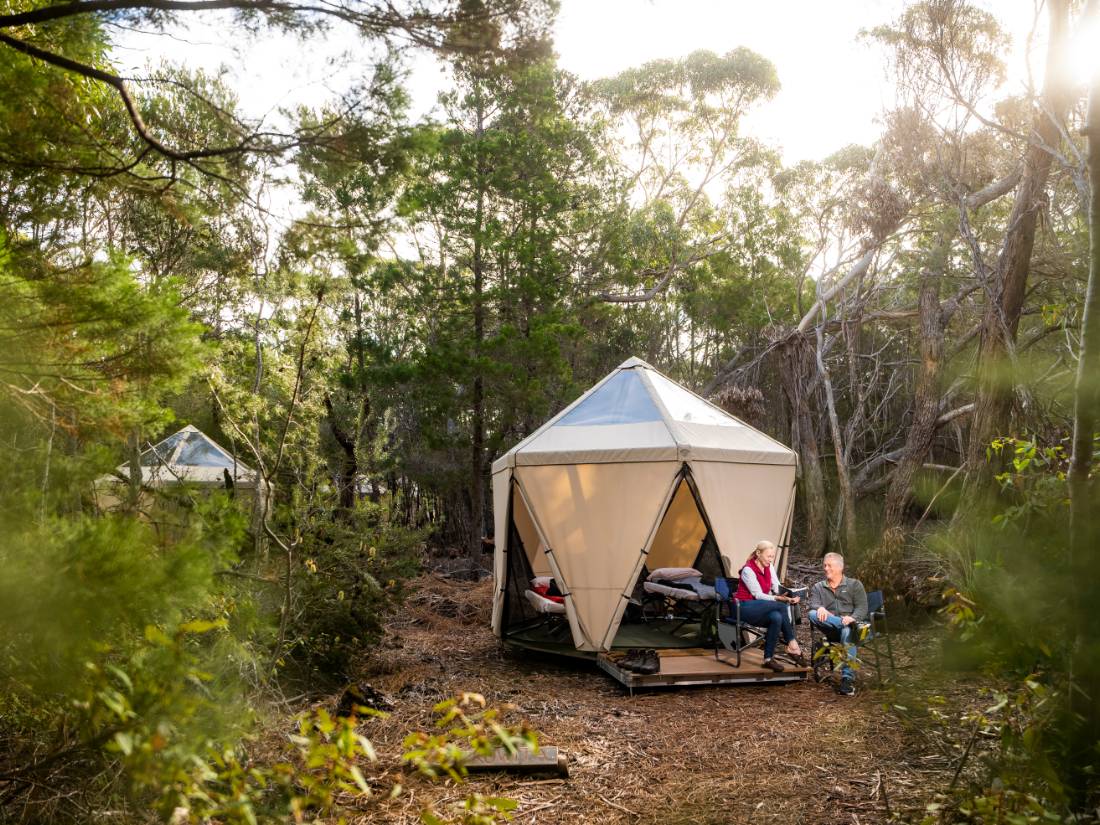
x=617, y=806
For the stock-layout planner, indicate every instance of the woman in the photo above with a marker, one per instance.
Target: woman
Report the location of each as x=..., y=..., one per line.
x=762, y=606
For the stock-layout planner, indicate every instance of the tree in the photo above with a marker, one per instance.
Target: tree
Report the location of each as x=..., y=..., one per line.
x=1008, y=281
x=42, y=34
x=1086, y=422
x=502, y=198
x=681, y=118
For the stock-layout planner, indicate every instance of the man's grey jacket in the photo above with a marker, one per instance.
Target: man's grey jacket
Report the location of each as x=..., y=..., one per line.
x=848, y=599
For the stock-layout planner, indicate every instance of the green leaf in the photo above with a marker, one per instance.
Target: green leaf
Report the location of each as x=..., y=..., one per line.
x=157, y=636
x=122, y=677
x=368, y=748
x=202, y=626
x=360, y=780
x=125, y=742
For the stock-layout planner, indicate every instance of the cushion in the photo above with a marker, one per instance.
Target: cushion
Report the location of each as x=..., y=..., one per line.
x=674, y=574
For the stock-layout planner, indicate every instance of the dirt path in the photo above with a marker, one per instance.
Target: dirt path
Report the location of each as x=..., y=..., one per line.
x=793, y=753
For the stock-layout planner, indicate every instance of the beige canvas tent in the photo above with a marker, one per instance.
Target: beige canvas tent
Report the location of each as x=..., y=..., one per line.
x=638, y=473
x=189, y=457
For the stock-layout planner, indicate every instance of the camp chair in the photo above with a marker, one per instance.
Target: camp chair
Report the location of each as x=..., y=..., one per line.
x=876, y=640
x=664, y=601
x=730, y=633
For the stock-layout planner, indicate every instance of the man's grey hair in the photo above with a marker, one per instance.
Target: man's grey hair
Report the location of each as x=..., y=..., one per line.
x=835, y=557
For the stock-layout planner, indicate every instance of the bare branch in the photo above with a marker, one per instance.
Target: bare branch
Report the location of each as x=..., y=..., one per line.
x=994, y=190
x=951, y=415
x=859, y=268
x=117, y=83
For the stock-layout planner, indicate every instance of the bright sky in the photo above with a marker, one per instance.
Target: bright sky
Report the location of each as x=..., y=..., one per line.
x=833, y=84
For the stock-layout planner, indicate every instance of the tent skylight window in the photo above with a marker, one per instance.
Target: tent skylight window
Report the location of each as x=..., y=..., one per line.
x=161, y=453
x=623, y=399
x=199, y=452
x=683, y=406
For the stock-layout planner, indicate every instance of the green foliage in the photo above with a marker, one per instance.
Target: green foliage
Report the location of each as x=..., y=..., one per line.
x=327, y=769
x=121, y=645
x=88, y=343
x=354, y=566
x=1021, y=610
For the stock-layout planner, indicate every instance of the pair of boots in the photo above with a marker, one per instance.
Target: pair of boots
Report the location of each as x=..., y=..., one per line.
x=645, y=662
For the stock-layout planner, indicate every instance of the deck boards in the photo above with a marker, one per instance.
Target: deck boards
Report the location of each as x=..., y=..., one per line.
x=697, y=666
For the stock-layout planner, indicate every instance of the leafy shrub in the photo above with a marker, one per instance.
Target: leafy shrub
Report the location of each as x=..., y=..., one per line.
x=352, y=571
x=1020, y=608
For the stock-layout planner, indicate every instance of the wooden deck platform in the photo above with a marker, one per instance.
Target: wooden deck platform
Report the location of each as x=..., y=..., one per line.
x=698, y=666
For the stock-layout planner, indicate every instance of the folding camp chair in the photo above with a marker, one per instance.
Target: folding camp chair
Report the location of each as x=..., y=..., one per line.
x=663, y=602
x=877, y=638
x=730, y=633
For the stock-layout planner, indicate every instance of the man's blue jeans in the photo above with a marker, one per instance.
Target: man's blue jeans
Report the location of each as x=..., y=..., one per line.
x=773, y=617
x=836, y=631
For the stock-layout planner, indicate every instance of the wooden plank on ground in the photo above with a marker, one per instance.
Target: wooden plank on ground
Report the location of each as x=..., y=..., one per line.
x=524, y=760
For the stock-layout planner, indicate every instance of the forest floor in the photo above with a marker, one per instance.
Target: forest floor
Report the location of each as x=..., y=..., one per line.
x=794, y=753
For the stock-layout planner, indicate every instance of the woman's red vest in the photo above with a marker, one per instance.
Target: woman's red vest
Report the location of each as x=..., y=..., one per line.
x=763, y=576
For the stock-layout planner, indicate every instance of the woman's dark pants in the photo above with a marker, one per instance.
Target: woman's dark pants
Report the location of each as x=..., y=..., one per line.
x=773, y=617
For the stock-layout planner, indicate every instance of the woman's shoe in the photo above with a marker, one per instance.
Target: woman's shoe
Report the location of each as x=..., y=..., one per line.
x=798, y=659
x=774, y=665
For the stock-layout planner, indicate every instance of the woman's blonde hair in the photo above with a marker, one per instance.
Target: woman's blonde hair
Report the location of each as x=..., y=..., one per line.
x=761, y=547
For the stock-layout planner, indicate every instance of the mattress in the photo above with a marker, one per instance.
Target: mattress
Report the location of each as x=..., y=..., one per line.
x=542, y=604
x=701, y=593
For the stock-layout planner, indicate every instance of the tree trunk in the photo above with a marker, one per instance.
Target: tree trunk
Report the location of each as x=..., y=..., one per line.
x=844, y=482
x=1085, y=671
x=1086, y=408
x=133, y=448
x=348, y=479
x=926, y=400
x=793, y=363
x=477, y=441
x=1005, y=296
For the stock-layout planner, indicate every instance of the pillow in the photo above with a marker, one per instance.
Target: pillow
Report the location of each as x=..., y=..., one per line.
x=545, y=587
x=674, y=573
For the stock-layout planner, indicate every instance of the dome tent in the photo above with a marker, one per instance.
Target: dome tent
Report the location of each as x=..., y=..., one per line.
x=638, y=472
x=188, y=456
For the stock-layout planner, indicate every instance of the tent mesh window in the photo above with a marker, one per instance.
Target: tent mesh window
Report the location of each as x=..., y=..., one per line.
x=623, y=399
x=709, y=560
x=706, y=560
x=518, y=612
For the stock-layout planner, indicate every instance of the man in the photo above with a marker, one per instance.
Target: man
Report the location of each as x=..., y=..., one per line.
x=838, y=608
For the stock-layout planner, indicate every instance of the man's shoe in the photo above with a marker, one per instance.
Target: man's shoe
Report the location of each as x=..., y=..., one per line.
x=651, y=663
x=798, y=658
x=774, y=665
x=847, y=687
x=632, y=660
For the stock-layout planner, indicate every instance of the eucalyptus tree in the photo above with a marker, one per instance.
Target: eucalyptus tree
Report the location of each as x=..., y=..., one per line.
x=952, y=50
x=679, y=122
